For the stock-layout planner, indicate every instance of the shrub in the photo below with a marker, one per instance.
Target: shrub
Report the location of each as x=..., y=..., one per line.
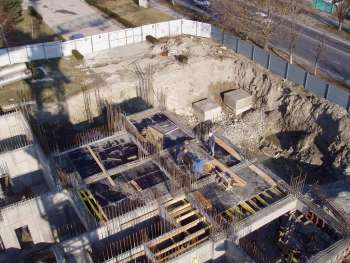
x=35, y=14
x=182, y=58
x=152, y=39
x=77, y=55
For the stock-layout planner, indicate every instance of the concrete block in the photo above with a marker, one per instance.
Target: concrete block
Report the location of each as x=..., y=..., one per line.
x=143, y=3
x=206, y=110
x=238, y=100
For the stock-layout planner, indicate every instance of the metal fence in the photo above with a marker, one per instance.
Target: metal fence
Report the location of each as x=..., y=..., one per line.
x=102, y=41
x=282, y=68
x=129, y=36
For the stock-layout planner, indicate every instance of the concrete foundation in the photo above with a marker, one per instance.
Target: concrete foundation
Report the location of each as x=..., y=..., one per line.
x=238, y=100
x=206, y=110
x=31, y=213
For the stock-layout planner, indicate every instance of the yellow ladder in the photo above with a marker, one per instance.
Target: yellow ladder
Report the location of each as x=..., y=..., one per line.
x=92, y=205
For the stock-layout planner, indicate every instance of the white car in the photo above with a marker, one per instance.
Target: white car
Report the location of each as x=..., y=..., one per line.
x=202, y=3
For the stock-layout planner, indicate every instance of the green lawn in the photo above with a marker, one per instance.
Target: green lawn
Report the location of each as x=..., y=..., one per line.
x=29, y=30
x=128, y=10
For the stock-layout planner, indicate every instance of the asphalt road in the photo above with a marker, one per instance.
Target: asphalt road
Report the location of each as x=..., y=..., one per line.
x=335, y=57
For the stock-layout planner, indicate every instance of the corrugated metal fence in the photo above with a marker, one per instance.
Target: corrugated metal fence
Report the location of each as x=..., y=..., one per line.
x=282, y=68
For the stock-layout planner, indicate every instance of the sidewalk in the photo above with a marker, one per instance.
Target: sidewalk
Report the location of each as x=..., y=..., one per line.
x=74, y=18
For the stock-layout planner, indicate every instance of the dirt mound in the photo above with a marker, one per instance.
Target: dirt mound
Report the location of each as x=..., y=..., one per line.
x=295, y=125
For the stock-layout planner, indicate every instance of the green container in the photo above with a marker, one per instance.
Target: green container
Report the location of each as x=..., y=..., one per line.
x=323, y=5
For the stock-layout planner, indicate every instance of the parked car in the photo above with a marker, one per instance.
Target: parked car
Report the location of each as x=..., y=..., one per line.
x=202, y=3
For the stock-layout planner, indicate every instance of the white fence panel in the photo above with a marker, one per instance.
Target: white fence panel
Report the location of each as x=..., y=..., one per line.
x=4, y=57
x=162, y=29
x=53, y=49
x=117, y=38
x=36, y=52
x=100, y=42
x=129, y=33
x=18, y=54
x=175, y=27
x=189, y=27
x=148, y=30
x=67, y=47
x=137, y=34
x=84, y=45
x=203, y=29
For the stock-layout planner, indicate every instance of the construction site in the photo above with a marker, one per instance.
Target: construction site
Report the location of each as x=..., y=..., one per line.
x=140, y=174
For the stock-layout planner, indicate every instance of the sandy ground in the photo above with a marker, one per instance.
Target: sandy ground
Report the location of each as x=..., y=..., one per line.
x=286, y=121
x=74, y=18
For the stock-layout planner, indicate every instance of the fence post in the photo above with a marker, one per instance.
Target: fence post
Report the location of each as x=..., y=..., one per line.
x=237, y=43
x=326, y=91
x=286, y=71
x=92, y=44
x=306, y=78
x=8, y=54
x=253, y=52
x=27, y=53
x=109, y=39
x=348, y=106
x=169, y=29
x=268, y=61
x=44, y=49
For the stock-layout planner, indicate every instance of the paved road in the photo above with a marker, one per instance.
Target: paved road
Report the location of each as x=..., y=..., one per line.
x=74, y=18
x=335, y=58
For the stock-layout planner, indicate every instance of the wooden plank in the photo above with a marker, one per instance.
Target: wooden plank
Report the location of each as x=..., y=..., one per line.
x=100, y=164
x=239, y=181
x=185, y=240
x=202, y=200
x=187, y=215
x=175, y=232
x=181, y=210
x=247, y=207
x=261, y=200
x=135, y=185
x=228, y=148
x=262, y=174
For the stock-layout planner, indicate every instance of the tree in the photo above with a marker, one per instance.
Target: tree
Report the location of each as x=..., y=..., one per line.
x=318, y=53
x=342, y=8
x=292, y=10
x=10, y=13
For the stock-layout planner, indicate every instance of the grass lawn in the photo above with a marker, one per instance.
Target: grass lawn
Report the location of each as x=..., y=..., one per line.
x=65, y=78
x=130, y=11
x=28, y=31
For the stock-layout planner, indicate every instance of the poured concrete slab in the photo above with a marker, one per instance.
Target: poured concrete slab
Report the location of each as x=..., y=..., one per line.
x=238, y=100
x=206, y=110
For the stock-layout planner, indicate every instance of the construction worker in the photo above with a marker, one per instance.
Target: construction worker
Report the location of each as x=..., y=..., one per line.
x=211, y=143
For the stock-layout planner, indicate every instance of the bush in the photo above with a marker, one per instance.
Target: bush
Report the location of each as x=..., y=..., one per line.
x=35, y=14
x=152, y=39
x=182, y=58
x=77, y=55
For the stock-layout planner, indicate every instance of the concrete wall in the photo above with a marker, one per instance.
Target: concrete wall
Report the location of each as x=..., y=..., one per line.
x=23, y=166
x=31, y=213
x=209, y=250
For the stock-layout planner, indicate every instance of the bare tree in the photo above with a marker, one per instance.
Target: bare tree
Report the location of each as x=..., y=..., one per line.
x=292, y=10
x=342, y=8
x=318, y=53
